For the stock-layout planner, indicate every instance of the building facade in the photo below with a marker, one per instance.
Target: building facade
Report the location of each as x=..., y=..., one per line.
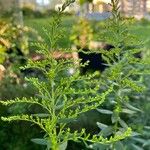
x=137, y=8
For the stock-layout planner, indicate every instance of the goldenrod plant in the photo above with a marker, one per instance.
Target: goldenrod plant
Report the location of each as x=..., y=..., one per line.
x=63, y=95
x=126, y=71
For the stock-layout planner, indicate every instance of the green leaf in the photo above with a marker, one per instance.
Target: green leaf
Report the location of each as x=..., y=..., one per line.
x=128, y=111
x=135, y=134
x=146, y=133
x=147, y=127
x=101, y=125
x=97, y=146
x=136, y=147
x=42, y=115
x=107, y=131
x=119, y=146
x=66, y=120
x=105, y=111
x=147, y=143
x=140, y=140
x=123, y=124
x=39, y=141
x=58, y=107
x=114, y=117
x=132, y=107
x=63, y=146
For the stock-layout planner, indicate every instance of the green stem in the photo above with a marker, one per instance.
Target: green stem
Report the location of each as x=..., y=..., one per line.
x=55, y=145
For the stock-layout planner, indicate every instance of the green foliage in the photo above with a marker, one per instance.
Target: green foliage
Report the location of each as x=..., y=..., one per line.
x=14, y=37
x=16, y=135
x=127, y=73
x=63, y=97
x=82, y=33
x=67, y=23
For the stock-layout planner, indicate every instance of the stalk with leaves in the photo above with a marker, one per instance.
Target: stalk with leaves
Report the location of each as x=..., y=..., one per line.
x=64, y=97
x=126, y=70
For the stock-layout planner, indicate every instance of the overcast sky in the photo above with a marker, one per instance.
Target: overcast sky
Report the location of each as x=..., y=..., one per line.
x=41, y=2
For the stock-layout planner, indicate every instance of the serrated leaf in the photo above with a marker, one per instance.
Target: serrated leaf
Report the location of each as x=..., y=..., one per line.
x=105, y=111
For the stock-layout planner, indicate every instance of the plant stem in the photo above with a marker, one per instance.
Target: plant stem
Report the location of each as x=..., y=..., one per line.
x=55, y=145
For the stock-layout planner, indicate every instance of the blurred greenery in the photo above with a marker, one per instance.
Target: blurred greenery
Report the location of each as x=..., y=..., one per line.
x=142, y=30
x=68, y=22
x=139, y=28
